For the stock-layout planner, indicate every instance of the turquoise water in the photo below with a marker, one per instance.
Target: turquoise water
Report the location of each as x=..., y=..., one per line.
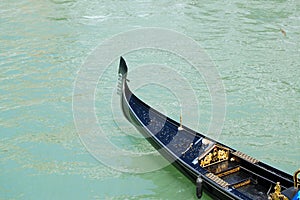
x=43, y=45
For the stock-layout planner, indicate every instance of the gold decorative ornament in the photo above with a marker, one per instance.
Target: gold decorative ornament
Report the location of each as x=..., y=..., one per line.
x=218, y=154
x=277, y=193
x=296, y=180
x=207, y=160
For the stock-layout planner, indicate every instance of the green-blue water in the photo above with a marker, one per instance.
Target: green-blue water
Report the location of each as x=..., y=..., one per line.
x=43, y=44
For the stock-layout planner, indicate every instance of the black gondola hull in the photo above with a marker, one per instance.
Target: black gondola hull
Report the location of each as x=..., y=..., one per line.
x=208, y=186
x=225, y=173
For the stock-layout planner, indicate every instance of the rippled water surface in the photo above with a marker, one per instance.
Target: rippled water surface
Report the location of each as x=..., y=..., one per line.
x=43, y=44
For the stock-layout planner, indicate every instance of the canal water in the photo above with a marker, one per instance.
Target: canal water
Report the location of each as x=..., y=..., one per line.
x=44, y=47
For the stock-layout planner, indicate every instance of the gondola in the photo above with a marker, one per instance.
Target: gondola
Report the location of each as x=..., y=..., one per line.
x=223, y=172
